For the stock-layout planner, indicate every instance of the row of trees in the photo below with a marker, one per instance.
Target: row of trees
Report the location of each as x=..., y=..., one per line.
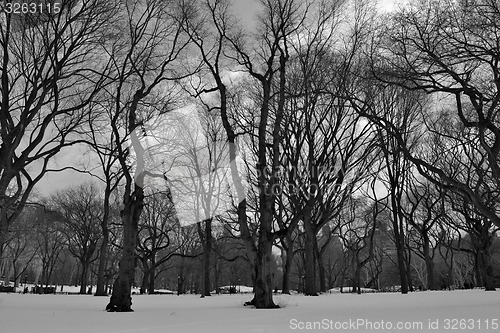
x=58, y=244
x=321, y=120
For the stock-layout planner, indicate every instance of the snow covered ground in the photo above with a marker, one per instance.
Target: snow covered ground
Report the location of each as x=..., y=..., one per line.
x=466, y=311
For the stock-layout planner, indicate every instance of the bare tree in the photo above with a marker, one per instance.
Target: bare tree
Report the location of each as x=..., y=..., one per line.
x=102, y=143
x=481, y=234
x=266, y=65
x=401, y=109
x=358, y=234
x=82, y=211
x=50, y=241
x=425, y=208
x=51, y=70
x=449, y=49
x=145, y=56
x=156, y=226
x=20, y=248
x=199, y=176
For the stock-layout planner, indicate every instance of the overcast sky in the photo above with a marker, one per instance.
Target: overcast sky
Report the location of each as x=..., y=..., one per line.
x=246, y=9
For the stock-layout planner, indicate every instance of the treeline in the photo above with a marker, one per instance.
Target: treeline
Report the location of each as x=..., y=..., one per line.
x=325, y=127
x=57, y=243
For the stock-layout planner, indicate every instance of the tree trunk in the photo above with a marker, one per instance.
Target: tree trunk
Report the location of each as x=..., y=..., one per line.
x=121, y=300
x=16, y=279
x=357, y=278
x=486, y=269
x=103, y=258
x=310, y=283
x=402, y=269
x=83, y=278
x=408, y=270
x=263, y=287
x=4, y=227
x=477, y=272
x=287, y=267
x=103, y=252
x=263, y=279
x=207, y=249
x=44, y=278
x=321, y=267
x=429, y=264
x=152, y=278
x=343, y=275
x=5, y=205
x=145, y=275
x=144, y=282
x=399, y=242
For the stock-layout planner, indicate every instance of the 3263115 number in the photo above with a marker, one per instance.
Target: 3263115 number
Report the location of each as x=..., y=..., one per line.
x=471, y=324
x=31, y=7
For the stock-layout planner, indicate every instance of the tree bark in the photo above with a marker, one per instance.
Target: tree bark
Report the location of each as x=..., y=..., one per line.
x=263, y=286
x=409, y=280
x=83, y=278
x=287, y=261
x=206, y=242
x=152, y=278
x=310, y=281
x=429, y=263
x=398, y=240
x=144, y=282
x=402, y=268
x=321, y=267
x=206, y=256
x=4, y=223
x=357, y=279
x=103, y=252
x=486, y=269
x=121, y=300
x=477, y=272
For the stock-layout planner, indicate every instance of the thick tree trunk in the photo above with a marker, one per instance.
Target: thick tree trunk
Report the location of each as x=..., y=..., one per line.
x=477, y=272
x=144, y=282
x=103, y=251
x=429, y=264
x=3, y=232
x=310, y=281
x=402, y=269
x=408, y=270
x=207, y=249
x=321, y=267
x=145, y=277
x=284, y=283
x=5, y=208
x=152, y=278
x=399, y=242
x=103, y=259
x=486, y=269
x=83, y=278
x=45, y=277
x=16, y=279
x=357, y=279
x=121, y=300
x=263, y=287
x=342, y=277
x=287, y=268
x=263, y=278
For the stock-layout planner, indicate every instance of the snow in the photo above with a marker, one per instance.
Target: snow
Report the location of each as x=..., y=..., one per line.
x=349, y=289
x=238, y=288
x=29, y=313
